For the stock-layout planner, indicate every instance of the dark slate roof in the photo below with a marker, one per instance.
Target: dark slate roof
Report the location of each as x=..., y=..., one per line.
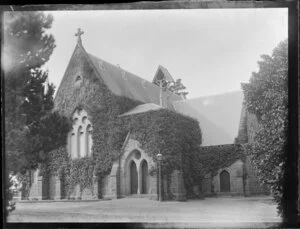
x=224, y=110
x=212, y=134
x=124, y=83
x=142, y=108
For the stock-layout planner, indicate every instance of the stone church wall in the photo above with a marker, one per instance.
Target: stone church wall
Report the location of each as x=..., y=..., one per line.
x=177, y=186
x=153, y=187
x=72, y=93
x=35, y=191
x=207, y=185
x=110, y=183
x=252, y=185
x=239, y=185
x=236, y=179
x=104, y=186
x=87, y=194
x=52, y=187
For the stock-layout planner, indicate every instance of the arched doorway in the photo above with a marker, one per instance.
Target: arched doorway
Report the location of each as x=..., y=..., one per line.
x=133, y=178
x=144, y=169
x=225, y=181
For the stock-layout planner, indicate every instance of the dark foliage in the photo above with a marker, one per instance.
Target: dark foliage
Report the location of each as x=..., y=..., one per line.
x=27, y=47
x=213, y=158
x=266, y=96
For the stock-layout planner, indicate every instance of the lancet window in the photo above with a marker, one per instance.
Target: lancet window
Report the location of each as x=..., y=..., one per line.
x=80, y=137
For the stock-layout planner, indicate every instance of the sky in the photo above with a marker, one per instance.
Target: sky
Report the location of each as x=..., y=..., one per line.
x=211, y=50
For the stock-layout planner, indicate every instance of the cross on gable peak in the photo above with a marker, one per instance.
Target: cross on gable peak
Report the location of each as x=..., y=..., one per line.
x=78, y=35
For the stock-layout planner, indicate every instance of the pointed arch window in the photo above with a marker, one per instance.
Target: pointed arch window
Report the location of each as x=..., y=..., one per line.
x=80, y=137
x=89, y=140
x=78, y=78
x=79, y=132
x=72, y=146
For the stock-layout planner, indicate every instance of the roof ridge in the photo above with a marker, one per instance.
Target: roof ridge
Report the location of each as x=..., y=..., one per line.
x=134, y=75
x=119, y=68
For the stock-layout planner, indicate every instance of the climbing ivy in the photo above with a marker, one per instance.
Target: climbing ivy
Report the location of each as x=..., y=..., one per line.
x=213, y=158
x=176, y=136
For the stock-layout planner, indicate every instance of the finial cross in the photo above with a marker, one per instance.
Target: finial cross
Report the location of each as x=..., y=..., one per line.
x=78, y=34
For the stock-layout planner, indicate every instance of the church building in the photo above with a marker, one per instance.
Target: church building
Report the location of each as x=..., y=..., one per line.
x=91, y=86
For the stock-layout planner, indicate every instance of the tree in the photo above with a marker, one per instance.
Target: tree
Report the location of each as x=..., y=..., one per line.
x=266, y=96
x=175, y=87
x=29, y=121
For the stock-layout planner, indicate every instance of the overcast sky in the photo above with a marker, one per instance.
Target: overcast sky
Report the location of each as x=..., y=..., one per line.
x=211, y=50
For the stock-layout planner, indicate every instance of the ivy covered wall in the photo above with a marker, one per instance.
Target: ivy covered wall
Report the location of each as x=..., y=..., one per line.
x=213, y=158
x=176, y=136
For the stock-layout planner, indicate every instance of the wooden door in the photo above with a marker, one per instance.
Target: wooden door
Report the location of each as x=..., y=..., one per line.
x=225, y=181
x=133, y=178
x=144, y=177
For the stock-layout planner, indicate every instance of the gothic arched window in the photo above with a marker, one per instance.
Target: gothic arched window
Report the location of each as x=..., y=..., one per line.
x=80, y=138
x=89, y=140
x=72, y=147
x=79, y=133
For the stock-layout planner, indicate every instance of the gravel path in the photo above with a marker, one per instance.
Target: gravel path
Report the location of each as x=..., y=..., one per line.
x=213, y=212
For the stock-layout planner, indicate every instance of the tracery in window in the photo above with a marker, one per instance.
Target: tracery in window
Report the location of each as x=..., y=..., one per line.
x=80, y=137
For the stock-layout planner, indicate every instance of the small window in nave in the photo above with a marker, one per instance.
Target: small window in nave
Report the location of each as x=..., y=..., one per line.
x=78, y=78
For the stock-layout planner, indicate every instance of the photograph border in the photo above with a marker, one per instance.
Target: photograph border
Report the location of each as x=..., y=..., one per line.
x=292, y=170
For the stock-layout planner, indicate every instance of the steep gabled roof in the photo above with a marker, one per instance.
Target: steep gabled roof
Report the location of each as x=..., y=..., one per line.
x=119, y=81
x=124, y=83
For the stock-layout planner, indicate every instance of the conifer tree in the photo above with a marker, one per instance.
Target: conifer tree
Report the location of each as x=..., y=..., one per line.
x=28, y=96
x=27, y=47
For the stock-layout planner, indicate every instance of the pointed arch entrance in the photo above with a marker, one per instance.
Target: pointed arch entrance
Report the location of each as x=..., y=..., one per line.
x=224, y=181
x=133, y=178
x=144, y=171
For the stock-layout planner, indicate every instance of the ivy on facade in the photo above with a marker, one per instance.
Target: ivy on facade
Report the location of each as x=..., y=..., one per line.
x=213, y=158
x=176, y=136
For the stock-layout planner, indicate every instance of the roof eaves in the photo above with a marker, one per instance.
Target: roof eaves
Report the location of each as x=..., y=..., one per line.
x=143, y=108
